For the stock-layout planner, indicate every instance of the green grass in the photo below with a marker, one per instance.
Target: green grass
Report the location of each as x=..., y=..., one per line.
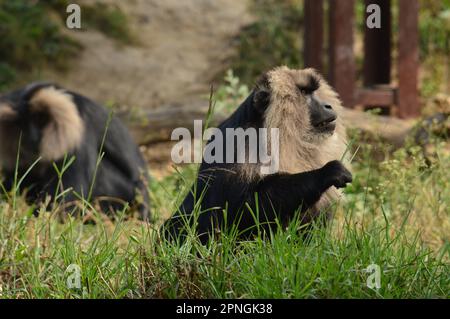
x=30, y=41
x=273, y=39
x=109, y=20
x=32, y=37
x=395, y=215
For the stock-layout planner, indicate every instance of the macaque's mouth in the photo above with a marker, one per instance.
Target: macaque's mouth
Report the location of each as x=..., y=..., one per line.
x=327, y=125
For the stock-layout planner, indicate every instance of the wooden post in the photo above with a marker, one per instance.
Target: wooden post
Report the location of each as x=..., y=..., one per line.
x=377, y=47
x=313, y=36
x=408, y=59
x=377, y=51
x=342, y=62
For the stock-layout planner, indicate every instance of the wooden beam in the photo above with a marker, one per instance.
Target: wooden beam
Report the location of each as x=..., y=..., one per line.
x=342, y=61
x=408, y=59
x=377, y=96
x=313, y=34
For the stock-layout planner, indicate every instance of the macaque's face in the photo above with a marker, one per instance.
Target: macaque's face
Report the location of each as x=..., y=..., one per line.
x=298, y=102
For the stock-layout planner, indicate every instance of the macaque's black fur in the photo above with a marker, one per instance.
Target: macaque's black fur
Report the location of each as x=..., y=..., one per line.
x=120, y=176
x=278, y=196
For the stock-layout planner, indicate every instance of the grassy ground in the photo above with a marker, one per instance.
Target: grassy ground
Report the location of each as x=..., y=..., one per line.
x=396, y=215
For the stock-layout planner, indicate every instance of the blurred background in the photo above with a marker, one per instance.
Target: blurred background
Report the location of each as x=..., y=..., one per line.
x=155, y=60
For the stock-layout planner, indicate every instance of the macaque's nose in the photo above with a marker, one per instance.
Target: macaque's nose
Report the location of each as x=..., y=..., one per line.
x=322, y=114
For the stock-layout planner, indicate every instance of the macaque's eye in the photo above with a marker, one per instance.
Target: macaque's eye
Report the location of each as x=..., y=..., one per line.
x=305, y=90
x=307, y=93
x=310, y=85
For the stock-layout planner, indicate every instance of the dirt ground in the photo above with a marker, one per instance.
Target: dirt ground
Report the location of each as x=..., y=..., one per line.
x=182, y=45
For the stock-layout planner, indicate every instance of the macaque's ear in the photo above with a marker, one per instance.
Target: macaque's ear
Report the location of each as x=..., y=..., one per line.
x=261, y=94
x=28, y=92
x=7, y=113
x=54, y=112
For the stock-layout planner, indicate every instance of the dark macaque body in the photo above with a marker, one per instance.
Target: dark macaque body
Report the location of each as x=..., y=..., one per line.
x=57, y=126
x=312, y=142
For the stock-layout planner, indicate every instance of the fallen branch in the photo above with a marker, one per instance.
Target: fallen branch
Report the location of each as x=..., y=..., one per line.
x=390, y=129
x=154, y=126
